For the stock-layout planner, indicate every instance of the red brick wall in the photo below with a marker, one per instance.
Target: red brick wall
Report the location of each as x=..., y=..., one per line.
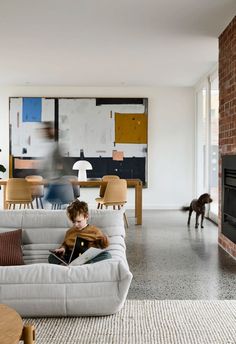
x=227, y=110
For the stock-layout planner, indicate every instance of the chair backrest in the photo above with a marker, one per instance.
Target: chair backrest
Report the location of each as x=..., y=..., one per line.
x=18, y=189
x=106, y=178
x=116, y=191
x=36, y=190
x=76, y=188
x=60, y=193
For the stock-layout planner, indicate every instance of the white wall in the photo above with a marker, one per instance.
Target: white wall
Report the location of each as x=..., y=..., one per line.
x=170, y=139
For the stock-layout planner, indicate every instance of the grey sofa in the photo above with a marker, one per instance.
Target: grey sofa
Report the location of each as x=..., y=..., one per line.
x=41, y=289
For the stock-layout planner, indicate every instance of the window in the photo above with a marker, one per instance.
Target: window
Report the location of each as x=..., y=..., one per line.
x=201, y=176
x=214, y=145
x=207, y=130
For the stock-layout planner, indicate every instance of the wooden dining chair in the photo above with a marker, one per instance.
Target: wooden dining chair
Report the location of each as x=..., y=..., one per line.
x=106, y=178
x=37, y=191
x=115, y=195
x=18, y=191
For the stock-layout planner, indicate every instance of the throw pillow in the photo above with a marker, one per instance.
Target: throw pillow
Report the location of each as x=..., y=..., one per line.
x=10, y=248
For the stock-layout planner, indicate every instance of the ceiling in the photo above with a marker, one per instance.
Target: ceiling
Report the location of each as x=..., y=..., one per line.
x=110, y=43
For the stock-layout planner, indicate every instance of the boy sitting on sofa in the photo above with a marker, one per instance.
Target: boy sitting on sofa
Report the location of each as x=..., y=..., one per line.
x=77, y=212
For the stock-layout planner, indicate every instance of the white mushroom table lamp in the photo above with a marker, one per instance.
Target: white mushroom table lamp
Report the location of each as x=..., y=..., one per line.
x=82, y=166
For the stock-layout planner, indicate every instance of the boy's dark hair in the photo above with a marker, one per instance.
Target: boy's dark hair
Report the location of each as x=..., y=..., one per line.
x=77, y=207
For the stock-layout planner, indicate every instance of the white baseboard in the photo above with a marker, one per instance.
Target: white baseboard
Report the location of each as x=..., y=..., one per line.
x=156, y=207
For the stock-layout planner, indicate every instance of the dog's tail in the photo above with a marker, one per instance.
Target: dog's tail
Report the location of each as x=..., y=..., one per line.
x=185, y=208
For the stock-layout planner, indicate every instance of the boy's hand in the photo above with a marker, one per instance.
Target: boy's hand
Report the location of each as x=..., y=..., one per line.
x=60, y=250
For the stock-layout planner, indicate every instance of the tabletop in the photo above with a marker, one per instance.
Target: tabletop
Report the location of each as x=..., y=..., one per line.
x=11, y=325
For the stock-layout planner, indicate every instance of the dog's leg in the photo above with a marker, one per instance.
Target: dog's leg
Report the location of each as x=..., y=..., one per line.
x=189, y=215
x=197, y=216
x=202, y=218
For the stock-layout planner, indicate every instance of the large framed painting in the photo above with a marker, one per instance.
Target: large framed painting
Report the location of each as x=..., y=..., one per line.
x=111, y=133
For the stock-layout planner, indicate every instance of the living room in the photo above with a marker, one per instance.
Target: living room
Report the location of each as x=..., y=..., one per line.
x=171, y=55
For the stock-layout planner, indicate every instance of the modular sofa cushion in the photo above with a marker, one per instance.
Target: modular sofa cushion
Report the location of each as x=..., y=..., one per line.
x=10, y=248
x=111, y=222
x=10, y=220
x=47, y=226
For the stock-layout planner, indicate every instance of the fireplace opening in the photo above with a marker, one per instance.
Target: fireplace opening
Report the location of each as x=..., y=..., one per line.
x=229, y=196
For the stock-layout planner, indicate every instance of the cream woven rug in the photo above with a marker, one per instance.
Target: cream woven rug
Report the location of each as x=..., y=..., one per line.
x=144, y=322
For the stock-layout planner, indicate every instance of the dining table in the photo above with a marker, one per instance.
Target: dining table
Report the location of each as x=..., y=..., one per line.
x=94, y=183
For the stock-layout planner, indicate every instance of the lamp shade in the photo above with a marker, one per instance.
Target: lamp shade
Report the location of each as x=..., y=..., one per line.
x=82, y=166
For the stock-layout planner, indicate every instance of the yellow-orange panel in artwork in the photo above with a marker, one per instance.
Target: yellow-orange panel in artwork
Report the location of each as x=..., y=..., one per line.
x=130, y=128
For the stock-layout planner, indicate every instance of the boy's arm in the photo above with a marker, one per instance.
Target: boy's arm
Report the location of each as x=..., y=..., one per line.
x=101, y=238
x=95, y=236
x=64, y=245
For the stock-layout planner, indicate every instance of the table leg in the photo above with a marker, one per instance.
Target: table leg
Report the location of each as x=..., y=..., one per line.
x=138, y=203
x=28, y=334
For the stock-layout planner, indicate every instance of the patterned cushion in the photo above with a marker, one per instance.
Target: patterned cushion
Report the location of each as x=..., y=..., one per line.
x=10, y=248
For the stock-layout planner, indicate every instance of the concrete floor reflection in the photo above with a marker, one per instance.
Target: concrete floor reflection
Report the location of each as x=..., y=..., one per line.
x=170, y=261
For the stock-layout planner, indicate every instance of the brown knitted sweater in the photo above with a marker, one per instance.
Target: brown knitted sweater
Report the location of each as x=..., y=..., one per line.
x=90, y=233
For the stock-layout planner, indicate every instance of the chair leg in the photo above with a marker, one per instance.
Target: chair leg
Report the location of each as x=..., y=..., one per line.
x=14, y=206
x=37, y=202
x=41, y=202
x=126, y=221
x=98, y=206
x=31, y=205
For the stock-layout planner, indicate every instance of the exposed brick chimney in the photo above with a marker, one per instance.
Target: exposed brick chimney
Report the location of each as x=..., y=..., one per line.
x=227, y=110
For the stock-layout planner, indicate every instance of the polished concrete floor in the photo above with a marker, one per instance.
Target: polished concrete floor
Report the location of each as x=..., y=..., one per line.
x=170, y=261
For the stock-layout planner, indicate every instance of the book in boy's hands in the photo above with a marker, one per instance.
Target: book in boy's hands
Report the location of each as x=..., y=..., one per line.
x=89, y=254
x=80, y=246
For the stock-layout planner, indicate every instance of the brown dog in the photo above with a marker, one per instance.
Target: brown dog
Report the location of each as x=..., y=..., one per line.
x=198, y=205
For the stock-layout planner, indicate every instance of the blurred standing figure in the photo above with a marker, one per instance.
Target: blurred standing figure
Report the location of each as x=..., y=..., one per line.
x=53, y=162
x=59, y=191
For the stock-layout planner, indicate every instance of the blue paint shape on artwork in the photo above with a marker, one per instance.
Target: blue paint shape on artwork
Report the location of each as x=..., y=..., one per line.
x=32, y=109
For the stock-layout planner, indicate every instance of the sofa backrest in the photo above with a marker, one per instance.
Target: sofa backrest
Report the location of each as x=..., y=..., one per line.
x=47, y=226
x=10, y=220
x=45, y=229
x=44, y=226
